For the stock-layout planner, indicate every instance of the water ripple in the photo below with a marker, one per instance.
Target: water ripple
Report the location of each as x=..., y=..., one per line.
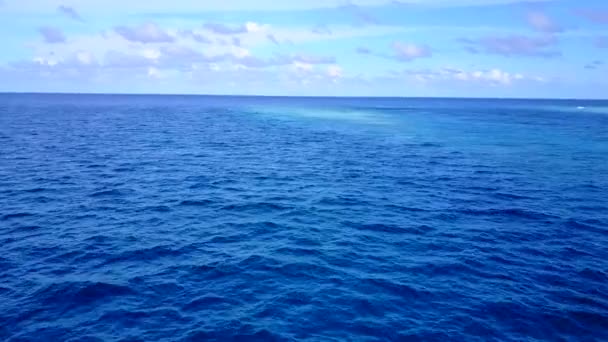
x=263, y=219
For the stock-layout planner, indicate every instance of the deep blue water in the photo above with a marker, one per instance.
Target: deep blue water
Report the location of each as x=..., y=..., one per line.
x=168, y=218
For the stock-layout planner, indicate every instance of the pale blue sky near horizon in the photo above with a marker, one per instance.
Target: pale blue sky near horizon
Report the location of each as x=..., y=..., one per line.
x=453, y=48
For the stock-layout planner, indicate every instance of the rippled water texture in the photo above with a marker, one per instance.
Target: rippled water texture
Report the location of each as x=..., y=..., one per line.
x=150, y=218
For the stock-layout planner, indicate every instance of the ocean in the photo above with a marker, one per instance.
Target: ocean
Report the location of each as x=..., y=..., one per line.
x=202, y=218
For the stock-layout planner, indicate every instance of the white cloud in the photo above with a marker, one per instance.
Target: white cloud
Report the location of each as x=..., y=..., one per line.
x=255, y=34
x=110, y=6
x=154, y=72
x=52, y=35
x=408, y=51
x=273, y=39
x=197, y=37
x=224, y=29
x=253, y=27
x=85, y=57
x=45, y=61
x=514, y=45
x=493, y=77
x=130, y=38
x=185, y=6
x=543, y=23
x=334, y=71
x=145, y=33
x=70, y=12
x=302, y=67
x=119, y=59
x=151, y=54
x=183, y=45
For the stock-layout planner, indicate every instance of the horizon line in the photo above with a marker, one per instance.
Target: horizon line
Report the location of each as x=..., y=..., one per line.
x=303, y=96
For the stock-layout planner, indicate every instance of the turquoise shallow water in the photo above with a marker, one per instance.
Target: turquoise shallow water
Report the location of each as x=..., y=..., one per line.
x=185, y=218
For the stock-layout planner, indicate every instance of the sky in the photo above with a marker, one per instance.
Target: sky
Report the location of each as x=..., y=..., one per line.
x=444, y=48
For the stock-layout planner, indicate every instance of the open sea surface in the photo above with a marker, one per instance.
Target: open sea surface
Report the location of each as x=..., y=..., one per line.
x=199, y=218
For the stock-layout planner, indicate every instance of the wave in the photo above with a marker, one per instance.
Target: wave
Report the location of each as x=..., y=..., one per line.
x=111, y=193
x=261, y=207
x=392, y=229
x=73, y=295
x=508, y=213
x=7, y=217
x=205, y=218
x=198, y=203
x=149, y=254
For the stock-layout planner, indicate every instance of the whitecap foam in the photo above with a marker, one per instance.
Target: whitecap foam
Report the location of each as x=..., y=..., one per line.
x=351, y=115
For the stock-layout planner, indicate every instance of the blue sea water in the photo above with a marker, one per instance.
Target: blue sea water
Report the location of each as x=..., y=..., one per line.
x=193, y=218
